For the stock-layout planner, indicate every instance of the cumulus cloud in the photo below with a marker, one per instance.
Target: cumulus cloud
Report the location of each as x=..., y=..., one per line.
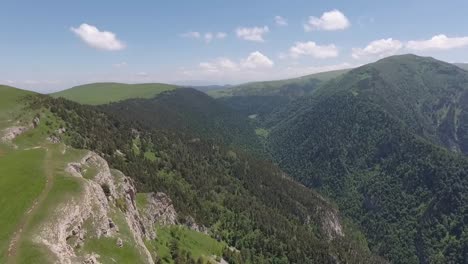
x=221, y=35
x=208, y=36
x=253, y=33
x=103, y=40
x=221, y=66
x=332, y=20
x=438, y=42
x=281, y=21
x=311, y=48
x=378, y=48
x=257, y=60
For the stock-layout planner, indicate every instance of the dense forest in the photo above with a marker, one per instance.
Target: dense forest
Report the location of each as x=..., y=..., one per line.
x=383, y=141
x=245, y=201
x=191, y=112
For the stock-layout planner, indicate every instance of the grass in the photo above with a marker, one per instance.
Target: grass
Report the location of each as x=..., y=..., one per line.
x=150, y=156
x=262, y=132
x=198, y=244
x=141, y=200
x=107, y=247
x=9, y=101
x=103, y=93
x=22, y=179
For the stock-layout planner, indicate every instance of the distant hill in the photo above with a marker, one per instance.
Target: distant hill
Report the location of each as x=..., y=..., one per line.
x=462, y=65
x=385, y=141
x=103, y=93
x=192, y=112
x=291, y=87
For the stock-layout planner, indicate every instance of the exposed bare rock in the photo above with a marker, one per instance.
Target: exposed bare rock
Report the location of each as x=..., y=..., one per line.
x=159, y=210
x=91, y=259
x=11, y=133
x=53, y=139
x=331, y=224
x=119, y=242
x=190, y=223
x=64, y=232
x=36, y=121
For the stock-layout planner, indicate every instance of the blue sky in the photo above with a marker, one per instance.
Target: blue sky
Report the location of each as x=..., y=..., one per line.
x=51, y=45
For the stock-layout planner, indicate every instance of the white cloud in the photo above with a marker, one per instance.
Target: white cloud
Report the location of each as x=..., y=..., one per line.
x=281, y=21
x=222, y=66
x=332, y=20
x=208, y=36
x=257, y=60
x=438, y=42
x=221, y=35
x=191, y=34
x=378, y=48
x=312, y=49
x=253, y=33
x=219, y=65
x=103, y=40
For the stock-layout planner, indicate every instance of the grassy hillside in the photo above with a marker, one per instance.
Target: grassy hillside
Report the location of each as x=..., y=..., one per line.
x=290, y=87
x=103, y=93
x=367, y=140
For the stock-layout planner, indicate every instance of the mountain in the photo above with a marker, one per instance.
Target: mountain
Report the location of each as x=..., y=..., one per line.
x=290, y=88
x=462, y=65
x=192, y=112
x=103, y=93
x=385, y=141
x=84, y=184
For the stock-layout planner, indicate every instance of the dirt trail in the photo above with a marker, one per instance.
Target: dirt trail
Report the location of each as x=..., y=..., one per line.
x=15, y=241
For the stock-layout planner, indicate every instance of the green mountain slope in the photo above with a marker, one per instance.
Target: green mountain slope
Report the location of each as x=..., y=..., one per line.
x=367, y=139
x=290, y=87
x=103, y=93
x=244, y=201
x=64, y=204
x=191, y=112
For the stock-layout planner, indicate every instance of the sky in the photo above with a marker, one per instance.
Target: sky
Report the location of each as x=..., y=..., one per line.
x=51, y=45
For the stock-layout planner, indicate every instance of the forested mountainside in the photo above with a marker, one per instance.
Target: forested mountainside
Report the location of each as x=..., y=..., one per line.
x=192, y=112
x=244, y=202
x=384, y=141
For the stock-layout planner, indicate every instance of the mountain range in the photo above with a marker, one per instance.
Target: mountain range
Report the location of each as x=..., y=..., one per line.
x=363, y=165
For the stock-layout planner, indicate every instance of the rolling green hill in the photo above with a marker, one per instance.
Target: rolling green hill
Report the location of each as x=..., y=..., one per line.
x=382, y=141
x=103, y=93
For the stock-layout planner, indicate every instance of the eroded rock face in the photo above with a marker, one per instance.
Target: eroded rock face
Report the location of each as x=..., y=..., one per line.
x=11, y=133
x=65, y=232
x=158, y=211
